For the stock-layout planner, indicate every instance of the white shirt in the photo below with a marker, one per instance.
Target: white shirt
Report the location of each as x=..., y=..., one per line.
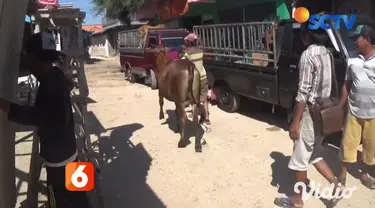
x=361, y=97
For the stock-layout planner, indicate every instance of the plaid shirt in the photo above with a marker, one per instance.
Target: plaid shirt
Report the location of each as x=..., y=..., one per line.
x=314, y=74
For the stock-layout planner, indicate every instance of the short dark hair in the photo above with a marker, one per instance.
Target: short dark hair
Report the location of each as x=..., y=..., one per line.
x=34, y=44
x=49, y=55
x=318, y=36
x=365, y=31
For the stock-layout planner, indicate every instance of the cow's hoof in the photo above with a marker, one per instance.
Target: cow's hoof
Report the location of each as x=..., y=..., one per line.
x=176, y=131
x=198, y=148
x=161, y=116
x=181, y=144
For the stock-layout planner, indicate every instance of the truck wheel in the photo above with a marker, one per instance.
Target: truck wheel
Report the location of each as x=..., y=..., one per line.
x=151, y=79
x=228, y=101
x=131, y=77
x=122, y=69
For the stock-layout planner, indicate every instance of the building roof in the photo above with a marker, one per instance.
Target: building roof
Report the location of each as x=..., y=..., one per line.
x=93, y=28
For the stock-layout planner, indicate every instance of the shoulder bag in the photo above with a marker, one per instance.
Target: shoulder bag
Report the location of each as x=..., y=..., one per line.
x=327, y=116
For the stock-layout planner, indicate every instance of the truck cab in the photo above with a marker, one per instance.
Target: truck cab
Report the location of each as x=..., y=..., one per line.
x=138, y=56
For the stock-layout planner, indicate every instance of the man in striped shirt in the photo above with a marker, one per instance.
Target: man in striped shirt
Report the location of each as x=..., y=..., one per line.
x=315, y=68
x=360, y=122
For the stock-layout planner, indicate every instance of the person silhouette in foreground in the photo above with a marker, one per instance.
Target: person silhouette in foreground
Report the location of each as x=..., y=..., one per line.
x=53, y=117
x=315, y=68
x=359, y=90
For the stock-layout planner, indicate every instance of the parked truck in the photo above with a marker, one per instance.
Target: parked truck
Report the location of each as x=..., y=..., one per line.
x=258, y=60
x=137, y=55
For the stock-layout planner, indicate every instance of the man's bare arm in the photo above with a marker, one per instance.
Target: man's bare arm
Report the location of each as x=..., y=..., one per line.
x=345, y=92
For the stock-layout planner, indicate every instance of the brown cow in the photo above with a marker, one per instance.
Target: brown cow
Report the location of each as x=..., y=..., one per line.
x=179, y=81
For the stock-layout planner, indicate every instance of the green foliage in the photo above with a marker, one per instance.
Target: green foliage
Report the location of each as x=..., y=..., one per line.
x=120, y=9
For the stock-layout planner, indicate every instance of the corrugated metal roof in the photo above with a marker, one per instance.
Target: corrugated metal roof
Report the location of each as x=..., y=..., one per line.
x=93, y=28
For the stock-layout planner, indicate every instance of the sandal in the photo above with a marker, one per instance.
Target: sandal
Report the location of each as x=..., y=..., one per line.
x=369, y=183
x=207, y=122
x=286, y=202
x=335, y=201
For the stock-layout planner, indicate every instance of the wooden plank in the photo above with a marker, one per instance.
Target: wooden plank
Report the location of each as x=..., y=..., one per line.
x=34, y=173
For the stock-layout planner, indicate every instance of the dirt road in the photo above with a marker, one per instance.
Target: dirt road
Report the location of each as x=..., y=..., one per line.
x=244, y=164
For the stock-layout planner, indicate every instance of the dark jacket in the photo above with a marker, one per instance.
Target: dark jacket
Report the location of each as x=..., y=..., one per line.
x=52, y=115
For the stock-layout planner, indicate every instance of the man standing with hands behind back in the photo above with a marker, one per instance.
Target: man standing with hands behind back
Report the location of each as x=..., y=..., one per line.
x=359, y=91
x=53, y=117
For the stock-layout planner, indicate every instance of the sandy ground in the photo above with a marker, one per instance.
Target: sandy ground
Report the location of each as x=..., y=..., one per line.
x=243, y=165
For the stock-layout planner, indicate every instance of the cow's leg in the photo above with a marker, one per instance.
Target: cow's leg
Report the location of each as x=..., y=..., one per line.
x=182, y=118
x=178, y=128
x=161, y=103
x=198, y=145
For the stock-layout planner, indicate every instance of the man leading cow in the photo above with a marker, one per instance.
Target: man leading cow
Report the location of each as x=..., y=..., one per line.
x=195, y=55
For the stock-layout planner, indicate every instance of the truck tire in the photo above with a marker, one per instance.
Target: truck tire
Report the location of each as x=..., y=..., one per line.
x=151, y=79
x=130, y=76
x=122, y=69
x=227, y=100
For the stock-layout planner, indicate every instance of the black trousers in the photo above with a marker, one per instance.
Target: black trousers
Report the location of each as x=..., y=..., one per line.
x=59, y=196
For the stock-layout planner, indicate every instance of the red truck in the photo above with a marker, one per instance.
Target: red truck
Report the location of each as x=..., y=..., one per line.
x=137, y=55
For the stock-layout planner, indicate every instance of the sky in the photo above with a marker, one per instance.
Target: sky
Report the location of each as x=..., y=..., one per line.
x=85, y=6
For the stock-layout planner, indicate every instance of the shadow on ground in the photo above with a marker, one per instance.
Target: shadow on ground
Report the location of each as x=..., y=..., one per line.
x=23, y=128
x=190, y=130
x=92, y=60
x=284, y=178
x=262, y=111
x=77, y=98
x=24, y=177
x=124, y=167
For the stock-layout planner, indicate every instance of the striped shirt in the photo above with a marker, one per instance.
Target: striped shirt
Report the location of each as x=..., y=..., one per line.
x=315, y=73
x=361, y=97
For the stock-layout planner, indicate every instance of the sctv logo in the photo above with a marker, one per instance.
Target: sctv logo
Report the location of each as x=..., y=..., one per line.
x=302, y=15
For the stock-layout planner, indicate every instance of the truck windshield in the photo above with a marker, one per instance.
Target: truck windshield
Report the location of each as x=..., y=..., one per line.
x=172, y=41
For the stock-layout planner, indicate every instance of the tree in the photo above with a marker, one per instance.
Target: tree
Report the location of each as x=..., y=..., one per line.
x=118, y=9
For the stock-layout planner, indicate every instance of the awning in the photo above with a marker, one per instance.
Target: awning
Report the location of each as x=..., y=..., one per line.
x=167, y=9
x=172, y=9
x=147, y=12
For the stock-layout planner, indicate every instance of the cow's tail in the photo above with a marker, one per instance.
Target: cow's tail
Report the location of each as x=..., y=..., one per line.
x=191, y=68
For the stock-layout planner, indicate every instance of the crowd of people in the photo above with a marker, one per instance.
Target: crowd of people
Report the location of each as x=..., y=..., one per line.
x=53, y=115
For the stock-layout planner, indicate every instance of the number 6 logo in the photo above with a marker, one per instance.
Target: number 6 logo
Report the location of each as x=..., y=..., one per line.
x=79, y=176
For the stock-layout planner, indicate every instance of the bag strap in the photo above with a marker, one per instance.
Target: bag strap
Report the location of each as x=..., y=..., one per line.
x=334, y=85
